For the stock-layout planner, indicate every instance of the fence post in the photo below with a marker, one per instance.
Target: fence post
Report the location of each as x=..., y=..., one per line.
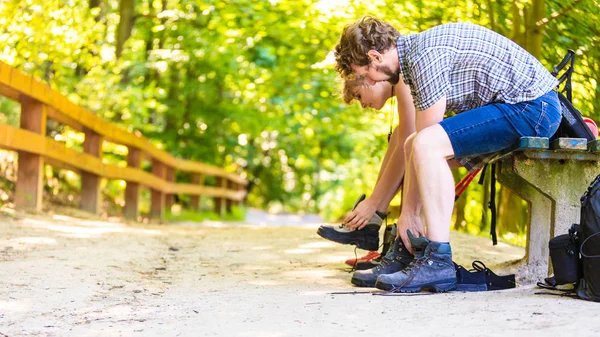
x=239, y=187
x=157, y=206
x=29, y=187
x=220, y=201
x=229, y=202
x=170, y=198
x=132, y=191
x=91, y=197
x=197, y=179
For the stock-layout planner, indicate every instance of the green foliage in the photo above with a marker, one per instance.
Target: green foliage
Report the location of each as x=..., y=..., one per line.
x=249, y=85
x=237, y=214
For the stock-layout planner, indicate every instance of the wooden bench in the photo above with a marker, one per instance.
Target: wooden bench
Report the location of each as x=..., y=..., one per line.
x=551, y=177
x=39, y=103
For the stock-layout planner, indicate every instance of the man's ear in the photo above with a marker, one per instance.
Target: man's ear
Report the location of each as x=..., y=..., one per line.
x=375, y=56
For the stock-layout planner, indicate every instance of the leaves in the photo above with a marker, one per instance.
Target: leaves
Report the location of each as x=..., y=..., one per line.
x=247, y=84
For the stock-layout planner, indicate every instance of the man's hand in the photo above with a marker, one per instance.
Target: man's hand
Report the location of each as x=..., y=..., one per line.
x=409, y=221
x=360, y=216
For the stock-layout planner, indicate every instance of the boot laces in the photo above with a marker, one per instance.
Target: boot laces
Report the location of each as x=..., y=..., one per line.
x=416, y=264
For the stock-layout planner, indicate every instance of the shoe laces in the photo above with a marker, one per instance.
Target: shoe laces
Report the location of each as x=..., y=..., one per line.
x=386, y=260
x=479, y=266
x=416, y=264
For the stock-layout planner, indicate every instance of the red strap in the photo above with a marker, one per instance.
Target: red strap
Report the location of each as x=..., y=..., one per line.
x=462, y=185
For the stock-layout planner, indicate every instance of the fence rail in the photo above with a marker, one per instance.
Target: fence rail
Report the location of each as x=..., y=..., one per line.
x=40, y=103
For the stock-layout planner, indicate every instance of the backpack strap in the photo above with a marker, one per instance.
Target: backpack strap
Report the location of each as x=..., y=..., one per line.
x=569, y=57
x=566, y=76
x=583, y=244
x=492, y=205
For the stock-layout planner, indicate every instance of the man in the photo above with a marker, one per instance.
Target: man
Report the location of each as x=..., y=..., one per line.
x=499, y=93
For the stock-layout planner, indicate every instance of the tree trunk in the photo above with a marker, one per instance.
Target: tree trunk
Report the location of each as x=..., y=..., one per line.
x=535, y=32
x=490, y=7
x=125, y=24
x=516, y=35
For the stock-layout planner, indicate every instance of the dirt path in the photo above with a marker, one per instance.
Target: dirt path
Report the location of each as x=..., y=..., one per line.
x=65, y=276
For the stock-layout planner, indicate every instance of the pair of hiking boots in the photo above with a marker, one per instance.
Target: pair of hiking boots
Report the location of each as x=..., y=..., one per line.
x=431, y=268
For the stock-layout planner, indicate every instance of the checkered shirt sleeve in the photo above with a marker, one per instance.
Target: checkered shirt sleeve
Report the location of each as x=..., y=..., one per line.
x=431, y=70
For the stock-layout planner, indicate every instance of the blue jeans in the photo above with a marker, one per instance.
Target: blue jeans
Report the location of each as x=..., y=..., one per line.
x=498, y=126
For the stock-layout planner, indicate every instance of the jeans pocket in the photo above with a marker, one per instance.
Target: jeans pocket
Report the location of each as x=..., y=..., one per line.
x=543, y=127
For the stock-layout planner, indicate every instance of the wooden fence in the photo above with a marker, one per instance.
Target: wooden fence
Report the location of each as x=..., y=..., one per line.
x=39, y=103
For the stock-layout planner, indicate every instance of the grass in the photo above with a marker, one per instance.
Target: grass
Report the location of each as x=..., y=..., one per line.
x=236, y=214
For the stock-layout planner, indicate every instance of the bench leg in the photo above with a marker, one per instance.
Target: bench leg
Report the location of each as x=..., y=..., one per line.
x=541, y=217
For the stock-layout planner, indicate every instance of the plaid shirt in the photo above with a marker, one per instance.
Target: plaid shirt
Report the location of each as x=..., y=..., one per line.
x=472, y=66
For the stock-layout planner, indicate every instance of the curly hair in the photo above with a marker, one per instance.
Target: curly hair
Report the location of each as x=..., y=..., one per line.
x=368, y=33
x=350, y=87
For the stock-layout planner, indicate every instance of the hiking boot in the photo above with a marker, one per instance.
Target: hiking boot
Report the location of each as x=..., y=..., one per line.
x=366, y=238
x=368, y=257
x=368, y=265
x=431, y=269
x=389, y=235
x=395, y=260
x=388, y=241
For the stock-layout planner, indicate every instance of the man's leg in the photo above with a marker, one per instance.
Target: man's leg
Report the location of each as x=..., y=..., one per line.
x=431, y=150
x=411, y=198
x=432, y=179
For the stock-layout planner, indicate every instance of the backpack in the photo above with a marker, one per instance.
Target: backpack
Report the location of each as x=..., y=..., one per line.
x=576, y=256
x=572, y=124
x=589, y=247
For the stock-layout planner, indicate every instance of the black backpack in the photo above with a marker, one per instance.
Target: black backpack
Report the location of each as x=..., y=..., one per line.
x=572, y=124
x=589, y=243
x=576, y=256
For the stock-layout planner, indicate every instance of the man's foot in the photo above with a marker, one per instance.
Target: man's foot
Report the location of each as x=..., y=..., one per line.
x=432, y=269
x=366, y=258
x=395, y=260
x=366, y=238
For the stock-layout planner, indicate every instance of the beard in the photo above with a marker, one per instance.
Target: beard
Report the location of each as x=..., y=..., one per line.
x=394, y=75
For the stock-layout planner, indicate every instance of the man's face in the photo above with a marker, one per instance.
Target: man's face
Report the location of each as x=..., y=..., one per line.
x=376, y=72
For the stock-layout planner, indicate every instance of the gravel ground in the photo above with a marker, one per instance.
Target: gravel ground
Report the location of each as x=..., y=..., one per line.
x=69, y=276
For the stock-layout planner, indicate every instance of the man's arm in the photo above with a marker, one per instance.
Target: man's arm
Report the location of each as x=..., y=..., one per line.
x=393, y=171
x=432, y=115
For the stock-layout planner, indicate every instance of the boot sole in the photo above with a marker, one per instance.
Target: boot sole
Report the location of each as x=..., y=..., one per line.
x=437, y=287
x=363, y=283
x=345, y=239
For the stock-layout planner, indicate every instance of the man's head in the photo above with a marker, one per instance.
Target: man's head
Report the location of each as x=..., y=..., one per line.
x=371, y=96
x=368, y=48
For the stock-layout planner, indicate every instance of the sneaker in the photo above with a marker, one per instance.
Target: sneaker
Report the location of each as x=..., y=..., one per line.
x=481, y=278
x=395, y=260
x=368, y=257
x=493, y=281
x=366, y=238
x=431, y=269
x=469, y=280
